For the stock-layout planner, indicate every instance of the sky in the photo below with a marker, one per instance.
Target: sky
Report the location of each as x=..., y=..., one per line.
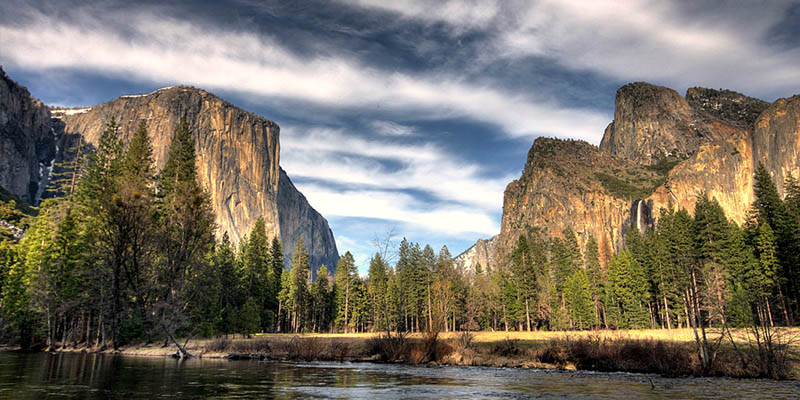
x=404, y=118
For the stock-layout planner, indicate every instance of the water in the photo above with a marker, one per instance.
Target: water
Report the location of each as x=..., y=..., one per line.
x=97, y=376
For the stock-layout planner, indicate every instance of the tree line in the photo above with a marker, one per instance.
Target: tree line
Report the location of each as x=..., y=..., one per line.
x=128, y=254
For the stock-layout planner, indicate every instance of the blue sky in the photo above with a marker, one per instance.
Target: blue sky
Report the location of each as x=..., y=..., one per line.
x=404, y=116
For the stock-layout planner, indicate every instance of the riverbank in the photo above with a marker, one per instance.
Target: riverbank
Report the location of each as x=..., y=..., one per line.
x=664, y=352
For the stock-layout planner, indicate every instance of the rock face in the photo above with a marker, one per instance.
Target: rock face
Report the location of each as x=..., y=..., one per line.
x=297, y=218
x=652, y=122
x=27, y=141
x=572, y=184
x=237, y=161
x=776, y=142
x=481, y=253
x=661, y=150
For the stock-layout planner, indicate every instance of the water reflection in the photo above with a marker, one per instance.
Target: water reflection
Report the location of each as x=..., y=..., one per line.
x=105, y=376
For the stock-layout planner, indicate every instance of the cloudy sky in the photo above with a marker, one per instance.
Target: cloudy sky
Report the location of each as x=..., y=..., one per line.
x=404, y=115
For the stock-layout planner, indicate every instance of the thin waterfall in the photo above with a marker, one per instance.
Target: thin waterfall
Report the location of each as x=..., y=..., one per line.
x=639, y=215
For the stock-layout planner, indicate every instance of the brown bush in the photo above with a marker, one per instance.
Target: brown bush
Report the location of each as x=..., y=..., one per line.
x=507, y=348
x=307, y=349
x=464, y=341
x=339, y=351
x=390, y=347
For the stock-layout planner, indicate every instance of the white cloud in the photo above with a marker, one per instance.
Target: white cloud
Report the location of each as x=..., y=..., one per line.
x=401, y=207
x=459, y=13
x=633, y=40
x=389, y=128
x=157, y=48
x=653, y=40
x=317, y=153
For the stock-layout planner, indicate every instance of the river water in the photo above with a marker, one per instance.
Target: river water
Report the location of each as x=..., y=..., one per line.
x=98, y=376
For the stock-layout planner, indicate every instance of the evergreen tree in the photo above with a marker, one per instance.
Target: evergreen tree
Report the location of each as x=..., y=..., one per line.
x=230, y=296
x=345, y=278
x=187, y=228
x=578, y=299
x=259, y=274
x=298, y=287
x=378, y=279
x=320, y=301
x=596, y=277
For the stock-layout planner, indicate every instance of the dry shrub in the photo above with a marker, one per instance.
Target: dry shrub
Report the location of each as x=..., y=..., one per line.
x=507, y=347
x=251, y=346
x=218, y=345
x=390, y=347
x=339, y=350
x=607, y=354
x=307, y=349
x=465, y=341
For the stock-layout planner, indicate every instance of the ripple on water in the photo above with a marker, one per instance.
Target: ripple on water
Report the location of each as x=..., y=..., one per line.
x=105, y=376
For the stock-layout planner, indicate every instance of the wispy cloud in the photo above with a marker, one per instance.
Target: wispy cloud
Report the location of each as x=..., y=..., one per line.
x=389, y=128
x=457, y=188
x=151, y=47
x=714, y=44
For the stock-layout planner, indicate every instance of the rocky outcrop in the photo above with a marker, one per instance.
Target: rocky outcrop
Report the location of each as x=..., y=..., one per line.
x=653, y=123
x=776, y=141
x=572, y=184
x=27, y=141
x=480, y=254
x=297, y=218
x=237, y=161
x=661, y=150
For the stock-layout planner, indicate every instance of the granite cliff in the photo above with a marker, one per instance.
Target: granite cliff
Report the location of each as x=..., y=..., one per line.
x=481, y=253
x=237, y=157
x=27, y=141
x=661, y=149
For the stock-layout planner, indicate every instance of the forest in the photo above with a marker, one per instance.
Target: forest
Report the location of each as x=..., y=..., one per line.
x=125, y=254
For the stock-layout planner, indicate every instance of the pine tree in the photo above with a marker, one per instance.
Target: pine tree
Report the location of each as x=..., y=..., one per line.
x=525, y=275
x=345, y=278
x=259, y=274
x=378, y=286
x=276, y=258
x=578, y=297
x=770, y=208
x=95, y=192
x=230, y=296
x=298, y=287
x=320, y=301
x=187, y=233
x=596, y=277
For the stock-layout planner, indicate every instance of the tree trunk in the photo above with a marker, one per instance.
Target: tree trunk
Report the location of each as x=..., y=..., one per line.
x=528, y=314
x=785, y=306
x=182, y=353
x=769, y=312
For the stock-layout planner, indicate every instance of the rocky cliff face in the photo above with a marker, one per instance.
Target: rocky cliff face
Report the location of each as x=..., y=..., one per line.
x=572, y=184
x=297, y=218
x=481, y=253
x=776, y=140
x=652, y=123
x=661, y=149
x=237, y=161
x=27, y=141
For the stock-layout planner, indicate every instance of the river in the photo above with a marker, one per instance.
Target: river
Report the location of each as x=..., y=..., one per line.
x=99, y=376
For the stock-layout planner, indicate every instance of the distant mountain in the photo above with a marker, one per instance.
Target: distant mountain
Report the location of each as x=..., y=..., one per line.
x=661, y=149
x=480, y=254
x=237, y=157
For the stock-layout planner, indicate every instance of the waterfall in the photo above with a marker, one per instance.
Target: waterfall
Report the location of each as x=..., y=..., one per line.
x=639, y=215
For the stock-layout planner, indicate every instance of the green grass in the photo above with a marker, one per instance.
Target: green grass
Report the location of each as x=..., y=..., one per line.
x=629, y=187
